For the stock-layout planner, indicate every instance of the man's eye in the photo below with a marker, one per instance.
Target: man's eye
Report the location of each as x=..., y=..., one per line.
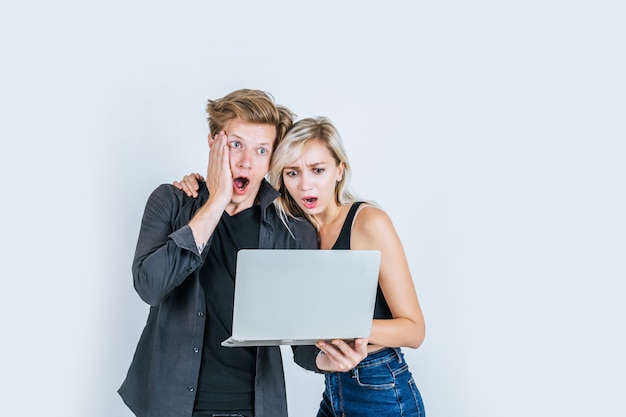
x=235, y=145
x=262, y=151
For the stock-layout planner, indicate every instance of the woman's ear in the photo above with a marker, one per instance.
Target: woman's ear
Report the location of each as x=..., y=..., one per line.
x=340, y=172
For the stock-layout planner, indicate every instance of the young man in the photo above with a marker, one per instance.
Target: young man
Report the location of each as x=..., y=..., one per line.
x=184, y=267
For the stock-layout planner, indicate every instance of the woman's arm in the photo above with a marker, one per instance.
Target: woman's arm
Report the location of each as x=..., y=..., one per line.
x=190, y=184
x=373, y=229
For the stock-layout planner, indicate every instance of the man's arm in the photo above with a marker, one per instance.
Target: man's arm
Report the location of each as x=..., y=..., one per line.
x=204, y=222
x=163, y=257
x=220, y=185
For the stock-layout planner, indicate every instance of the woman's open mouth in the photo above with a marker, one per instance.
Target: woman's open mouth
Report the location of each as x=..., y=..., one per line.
x=309, y=202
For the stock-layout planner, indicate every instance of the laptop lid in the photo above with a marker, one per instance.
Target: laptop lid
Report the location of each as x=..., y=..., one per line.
x=300, y=296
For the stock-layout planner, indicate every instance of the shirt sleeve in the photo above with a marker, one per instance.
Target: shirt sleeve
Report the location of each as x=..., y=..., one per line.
x=306, y=235
x=305, y=356
x=164, y=258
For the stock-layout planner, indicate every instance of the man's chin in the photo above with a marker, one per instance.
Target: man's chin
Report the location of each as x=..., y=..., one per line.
x=243, y=193
x=241, y=196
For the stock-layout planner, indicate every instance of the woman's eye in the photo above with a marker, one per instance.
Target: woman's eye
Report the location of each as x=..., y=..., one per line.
x=290, y=173
x=318, y=170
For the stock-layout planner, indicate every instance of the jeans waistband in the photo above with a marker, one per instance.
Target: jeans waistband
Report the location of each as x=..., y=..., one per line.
x=382, y=356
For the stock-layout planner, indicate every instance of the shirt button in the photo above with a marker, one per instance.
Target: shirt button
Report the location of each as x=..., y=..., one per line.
x=200, y=313
x=190, y=389
x=196, y=350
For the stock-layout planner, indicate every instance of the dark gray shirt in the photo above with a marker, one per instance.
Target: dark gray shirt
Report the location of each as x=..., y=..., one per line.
x=163, y=376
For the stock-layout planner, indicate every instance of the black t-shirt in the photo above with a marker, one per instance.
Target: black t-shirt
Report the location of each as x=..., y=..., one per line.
x=226, y=374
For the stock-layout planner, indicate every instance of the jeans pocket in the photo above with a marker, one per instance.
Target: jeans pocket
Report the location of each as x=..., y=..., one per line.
x=374, y=377
x=418, y=397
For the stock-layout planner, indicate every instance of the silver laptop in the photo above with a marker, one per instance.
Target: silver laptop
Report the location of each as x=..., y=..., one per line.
x=300, y=296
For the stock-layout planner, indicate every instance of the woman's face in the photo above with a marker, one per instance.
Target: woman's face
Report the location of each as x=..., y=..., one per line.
x=312, y=177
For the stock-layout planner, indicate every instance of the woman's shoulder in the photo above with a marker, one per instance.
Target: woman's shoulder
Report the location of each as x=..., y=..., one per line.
x=372, y=228
x=371, y=212
x=370, y=218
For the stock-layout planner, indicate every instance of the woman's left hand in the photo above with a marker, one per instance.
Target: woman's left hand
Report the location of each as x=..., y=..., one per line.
x=339, y=356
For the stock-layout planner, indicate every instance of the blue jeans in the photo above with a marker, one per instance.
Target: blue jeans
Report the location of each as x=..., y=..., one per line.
x=380, y=386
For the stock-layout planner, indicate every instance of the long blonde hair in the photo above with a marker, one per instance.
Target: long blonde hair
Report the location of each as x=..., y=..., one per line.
x=302, y=132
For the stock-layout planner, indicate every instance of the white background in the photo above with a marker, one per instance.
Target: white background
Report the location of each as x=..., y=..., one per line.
x=492, y=132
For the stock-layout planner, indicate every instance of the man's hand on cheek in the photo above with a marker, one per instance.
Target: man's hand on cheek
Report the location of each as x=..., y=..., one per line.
x=219, y=175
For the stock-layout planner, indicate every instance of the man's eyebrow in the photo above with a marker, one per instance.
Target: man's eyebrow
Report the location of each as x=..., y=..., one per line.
x=236, y=136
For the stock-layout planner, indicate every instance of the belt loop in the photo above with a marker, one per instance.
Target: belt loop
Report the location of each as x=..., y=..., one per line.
x=398, y=354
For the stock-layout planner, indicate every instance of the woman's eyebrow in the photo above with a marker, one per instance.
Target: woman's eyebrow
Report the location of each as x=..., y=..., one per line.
x=312, y=164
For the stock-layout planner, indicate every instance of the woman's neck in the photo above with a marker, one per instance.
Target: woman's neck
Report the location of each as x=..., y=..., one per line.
x=329, y=216
x=329, y=224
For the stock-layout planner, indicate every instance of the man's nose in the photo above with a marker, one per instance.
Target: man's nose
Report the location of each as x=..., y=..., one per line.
x=245, y=158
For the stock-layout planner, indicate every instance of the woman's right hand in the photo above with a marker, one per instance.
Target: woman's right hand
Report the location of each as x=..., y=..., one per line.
x=190, y=184
x=339, y=356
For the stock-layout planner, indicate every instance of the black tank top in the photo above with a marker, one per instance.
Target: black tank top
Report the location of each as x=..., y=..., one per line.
x=381, y=310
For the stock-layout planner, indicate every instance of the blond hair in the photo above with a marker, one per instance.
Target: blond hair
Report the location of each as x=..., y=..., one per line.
x=250, y=106
x=302, y=132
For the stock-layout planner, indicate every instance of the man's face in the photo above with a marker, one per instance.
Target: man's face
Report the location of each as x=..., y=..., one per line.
x=250, y=152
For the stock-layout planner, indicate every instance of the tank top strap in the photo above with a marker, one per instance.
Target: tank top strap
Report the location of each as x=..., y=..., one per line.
x=343, y=240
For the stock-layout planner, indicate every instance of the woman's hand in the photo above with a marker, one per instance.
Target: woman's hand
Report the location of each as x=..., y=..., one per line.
x=339, y=356
x=190, y=184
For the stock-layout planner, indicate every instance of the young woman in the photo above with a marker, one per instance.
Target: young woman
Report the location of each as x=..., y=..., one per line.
x=310, y=168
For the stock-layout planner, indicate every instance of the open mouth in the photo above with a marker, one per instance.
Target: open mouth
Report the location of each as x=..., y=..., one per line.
x=309, y=202
x=241, y=183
